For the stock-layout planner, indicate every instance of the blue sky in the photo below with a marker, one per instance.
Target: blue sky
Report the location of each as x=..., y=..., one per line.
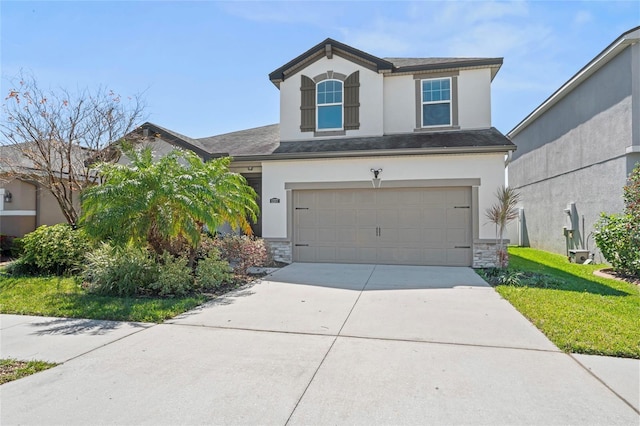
x=203, y=66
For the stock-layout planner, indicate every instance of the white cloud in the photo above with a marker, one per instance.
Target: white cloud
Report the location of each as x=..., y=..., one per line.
x=582, y=17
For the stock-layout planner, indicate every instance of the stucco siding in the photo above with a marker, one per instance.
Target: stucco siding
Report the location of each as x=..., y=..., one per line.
x=371, y=99
x=474, y=99
x=49, y=212
x=577, y=151
x=489, y=168
x=605, y=97
x=593, y=189
x=399, y=104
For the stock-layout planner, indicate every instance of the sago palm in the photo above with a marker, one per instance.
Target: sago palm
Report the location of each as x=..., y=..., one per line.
x=165, y=201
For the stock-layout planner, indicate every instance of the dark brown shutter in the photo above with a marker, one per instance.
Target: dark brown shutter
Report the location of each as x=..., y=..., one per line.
x=307, y=105
x=352, y=101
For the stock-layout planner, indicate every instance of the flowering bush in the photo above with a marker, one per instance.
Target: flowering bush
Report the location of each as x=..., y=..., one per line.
x=242, y=252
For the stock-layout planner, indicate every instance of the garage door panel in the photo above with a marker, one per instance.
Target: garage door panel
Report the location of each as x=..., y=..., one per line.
x=367, y=236
x=346, y=218
x=458, y=257
x=306, y=218
x=365, y=199
x=435, y=256
x=347, y=236
x=326, y=218
x=434, y=237
x=419, y=226
x=456, y=237
x=326, y=235
x=308, y=235
x=367, y=255
x=326, y=254
x=409, y=236
x=434, y=196
x=367, y=218
x=410, y=217
x=434, y=217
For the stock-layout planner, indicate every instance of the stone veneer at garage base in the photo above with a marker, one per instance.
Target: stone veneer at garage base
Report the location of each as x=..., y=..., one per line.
x=484, y=253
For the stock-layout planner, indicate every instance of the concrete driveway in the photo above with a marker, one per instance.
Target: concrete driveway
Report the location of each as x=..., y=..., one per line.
x=326, y=344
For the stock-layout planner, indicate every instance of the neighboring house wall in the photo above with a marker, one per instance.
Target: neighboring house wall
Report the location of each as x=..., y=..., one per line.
x=18, y=217
x=580, y=151
x=31, y=206
x=488, y=168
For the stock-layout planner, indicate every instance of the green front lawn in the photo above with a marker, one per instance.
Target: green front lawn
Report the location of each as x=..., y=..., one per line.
x=11, y=369
x=578, y=311
x=64, y=297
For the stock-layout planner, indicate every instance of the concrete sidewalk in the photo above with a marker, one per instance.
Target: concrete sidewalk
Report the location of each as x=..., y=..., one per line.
x=319, y=344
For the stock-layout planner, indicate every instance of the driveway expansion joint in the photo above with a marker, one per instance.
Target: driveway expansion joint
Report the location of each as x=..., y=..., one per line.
x=591, y=373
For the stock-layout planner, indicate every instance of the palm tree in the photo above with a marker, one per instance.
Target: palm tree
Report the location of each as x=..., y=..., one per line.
x=500, y=214
x=165, y=203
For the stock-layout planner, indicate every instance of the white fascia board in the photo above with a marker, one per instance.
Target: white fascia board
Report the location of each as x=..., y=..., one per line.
x=17, y=212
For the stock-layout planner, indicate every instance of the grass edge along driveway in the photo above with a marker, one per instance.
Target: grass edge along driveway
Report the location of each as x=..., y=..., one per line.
x=64, y=297
x=583, y=313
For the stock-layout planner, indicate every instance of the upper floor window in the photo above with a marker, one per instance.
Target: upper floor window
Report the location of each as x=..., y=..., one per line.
x=436, y=102
x=329, y=105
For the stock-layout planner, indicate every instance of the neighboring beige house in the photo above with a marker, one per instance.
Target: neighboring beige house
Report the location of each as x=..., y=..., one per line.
x=576, y=150
x=24, y=204
x=390, y=161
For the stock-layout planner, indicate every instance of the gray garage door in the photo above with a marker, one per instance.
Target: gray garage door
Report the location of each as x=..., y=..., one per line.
x=416, y=226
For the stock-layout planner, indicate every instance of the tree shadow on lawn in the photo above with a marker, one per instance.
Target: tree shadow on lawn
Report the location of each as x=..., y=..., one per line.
x=565, y=280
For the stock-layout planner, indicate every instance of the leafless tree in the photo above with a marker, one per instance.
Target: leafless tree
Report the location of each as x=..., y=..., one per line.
x=51, y=137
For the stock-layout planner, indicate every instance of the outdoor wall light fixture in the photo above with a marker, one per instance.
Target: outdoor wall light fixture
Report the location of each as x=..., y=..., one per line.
x=7, y=197
x=376, y=180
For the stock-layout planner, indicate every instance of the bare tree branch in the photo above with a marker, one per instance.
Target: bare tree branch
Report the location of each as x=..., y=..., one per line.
x=49, y=136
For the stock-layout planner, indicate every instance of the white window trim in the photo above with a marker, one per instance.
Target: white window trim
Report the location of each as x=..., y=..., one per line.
x=423, y=103
x=341, y=104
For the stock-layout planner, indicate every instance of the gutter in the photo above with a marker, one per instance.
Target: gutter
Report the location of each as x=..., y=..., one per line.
x=372, y=153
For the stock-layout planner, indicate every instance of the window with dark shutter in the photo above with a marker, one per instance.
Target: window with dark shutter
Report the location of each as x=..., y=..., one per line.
x=352, y=101
x=307, y=105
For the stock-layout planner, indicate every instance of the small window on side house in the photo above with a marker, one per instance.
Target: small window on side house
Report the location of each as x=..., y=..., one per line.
x=329, y=105
x=436, y=102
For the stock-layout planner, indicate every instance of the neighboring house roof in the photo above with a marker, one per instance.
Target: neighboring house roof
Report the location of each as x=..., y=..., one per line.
x=330, y=47
x=625, y=40
x=175, y=138
x=13, y=158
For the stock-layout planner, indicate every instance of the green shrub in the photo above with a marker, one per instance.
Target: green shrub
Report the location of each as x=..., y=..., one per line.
x=242, y=252
x=618, y=238
x=57, y=249
x=17, y=248
x=120, y=271
x=212, y=272
x=174, y=278
x=19, y=268
x=514, y=278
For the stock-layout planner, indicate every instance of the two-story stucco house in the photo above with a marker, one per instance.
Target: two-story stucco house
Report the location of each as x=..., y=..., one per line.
x=374, y=160
x=576, y=150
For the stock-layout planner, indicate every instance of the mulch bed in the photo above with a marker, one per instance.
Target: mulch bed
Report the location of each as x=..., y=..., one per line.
x=610, y=273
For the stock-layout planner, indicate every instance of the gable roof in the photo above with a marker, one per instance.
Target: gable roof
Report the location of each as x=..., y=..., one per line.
x=329, y=47
x=625, y=40
x=171, y=137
